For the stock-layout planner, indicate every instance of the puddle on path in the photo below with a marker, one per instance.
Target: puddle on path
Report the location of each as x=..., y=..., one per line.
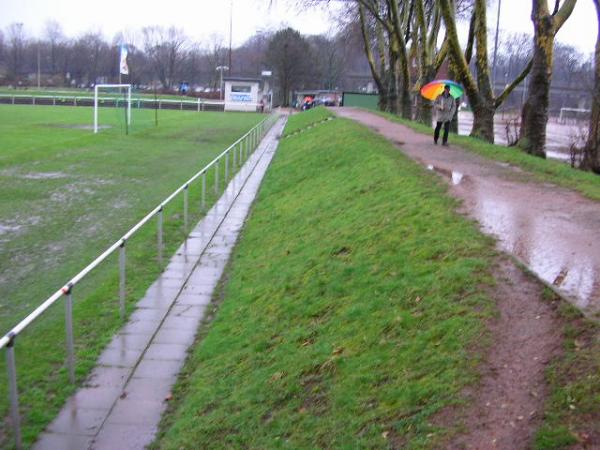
x=455, y=177
x=554, y=245
x=550, y=229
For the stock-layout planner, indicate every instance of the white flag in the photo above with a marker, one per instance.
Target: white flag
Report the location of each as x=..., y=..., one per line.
x=123, y=67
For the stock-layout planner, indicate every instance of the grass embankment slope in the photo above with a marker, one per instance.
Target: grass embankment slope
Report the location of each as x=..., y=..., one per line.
x=544, y=170
x=304, y=119
x=353, y=303
x=66, y=195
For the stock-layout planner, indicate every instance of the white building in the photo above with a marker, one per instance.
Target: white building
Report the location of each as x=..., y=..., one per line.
x=243, y=94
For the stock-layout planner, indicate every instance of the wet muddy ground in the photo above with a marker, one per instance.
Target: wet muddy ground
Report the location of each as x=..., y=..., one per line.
x=552, y=230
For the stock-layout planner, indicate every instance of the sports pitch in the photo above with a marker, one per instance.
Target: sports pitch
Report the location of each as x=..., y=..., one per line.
x=66, y=193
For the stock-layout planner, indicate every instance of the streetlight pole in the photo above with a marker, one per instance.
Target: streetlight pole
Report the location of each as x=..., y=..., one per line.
x=39, y=75
x=221, y=69
x=230, y=32
x=496, y=45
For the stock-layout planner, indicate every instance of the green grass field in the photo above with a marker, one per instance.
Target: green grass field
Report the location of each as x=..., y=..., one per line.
x=352, y=305
x=66, y=195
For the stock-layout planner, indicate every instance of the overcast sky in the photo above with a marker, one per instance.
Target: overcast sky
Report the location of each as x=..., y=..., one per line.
x=202, y=18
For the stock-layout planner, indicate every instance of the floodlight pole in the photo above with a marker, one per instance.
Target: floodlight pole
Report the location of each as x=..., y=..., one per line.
x=221, y=69
x=230, y=33
x=95, y=109
x=496, y=45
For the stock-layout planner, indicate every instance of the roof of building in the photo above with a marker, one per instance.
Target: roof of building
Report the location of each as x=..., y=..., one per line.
x=254, y=80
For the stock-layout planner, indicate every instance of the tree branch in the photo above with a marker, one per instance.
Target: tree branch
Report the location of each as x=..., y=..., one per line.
x=508, y=90
x=563, y=14
x=458, y=58
x=470, y=39
x=369, y=7
x=442, y=54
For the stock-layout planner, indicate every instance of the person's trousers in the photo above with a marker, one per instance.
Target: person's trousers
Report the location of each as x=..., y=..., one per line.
x=436, y=134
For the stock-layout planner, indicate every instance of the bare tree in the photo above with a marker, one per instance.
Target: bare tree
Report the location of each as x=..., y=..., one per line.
x=165, y=48
x=328, y=61
x=90, y=58
x=55, y=38
x=16, y=41
x=1, y=48
x=215, y=56
x=289, y=55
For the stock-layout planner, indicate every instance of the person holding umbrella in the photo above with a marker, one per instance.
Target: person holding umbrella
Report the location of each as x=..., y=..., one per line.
x=444, y=94
x=444, y=107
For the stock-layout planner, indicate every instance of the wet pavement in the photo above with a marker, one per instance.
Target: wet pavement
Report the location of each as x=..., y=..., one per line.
x=121, y=403
x=552, y=230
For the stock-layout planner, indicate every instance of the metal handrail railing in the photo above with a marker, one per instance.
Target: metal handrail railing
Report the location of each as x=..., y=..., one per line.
x=245, y=146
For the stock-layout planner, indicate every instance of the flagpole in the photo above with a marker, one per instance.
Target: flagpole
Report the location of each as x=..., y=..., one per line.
x=119, y=66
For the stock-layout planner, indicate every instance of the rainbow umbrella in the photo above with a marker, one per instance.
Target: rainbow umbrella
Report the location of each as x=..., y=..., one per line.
x=432, y=90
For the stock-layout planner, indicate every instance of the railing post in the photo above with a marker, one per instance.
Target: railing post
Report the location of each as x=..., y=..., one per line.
x=240, y=150
x=12, y=392
x=186, y=192
x=69, y=327
x=226, y=168
x=217, y=177
x=203, y=201
x=235, y=163
x=160, y=235
x=122, y=279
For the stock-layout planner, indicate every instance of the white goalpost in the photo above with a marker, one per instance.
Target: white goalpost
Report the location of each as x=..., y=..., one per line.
x=108, y=86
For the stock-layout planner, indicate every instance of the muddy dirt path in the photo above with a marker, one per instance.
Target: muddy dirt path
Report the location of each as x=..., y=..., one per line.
x=551, y=229
x=506, y=407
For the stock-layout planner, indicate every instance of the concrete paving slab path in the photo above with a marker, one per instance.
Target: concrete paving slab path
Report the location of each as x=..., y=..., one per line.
x=120, y=404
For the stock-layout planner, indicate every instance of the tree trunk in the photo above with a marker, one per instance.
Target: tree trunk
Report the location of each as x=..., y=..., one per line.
x=534, y=116
x=424, y=107
x=483, y=122
x=454, y=121
x=591, y=155
x=478, y=91
x=405, y=100
x=392, y=98
x=402, y=73
x=424, y=111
